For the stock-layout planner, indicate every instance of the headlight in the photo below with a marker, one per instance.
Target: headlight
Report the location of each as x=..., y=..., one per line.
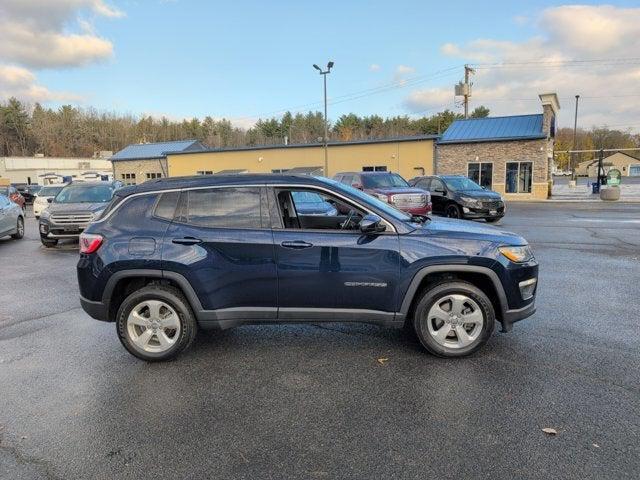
x=381, y=196
x=471, y=202
x=517, y=254
x=45, y=214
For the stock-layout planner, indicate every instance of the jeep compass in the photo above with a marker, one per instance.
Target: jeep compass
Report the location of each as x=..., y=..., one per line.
x=172, y=256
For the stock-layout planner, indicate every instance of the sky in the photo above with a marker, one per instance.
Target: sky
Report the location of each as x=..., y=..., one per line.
x=247, y=59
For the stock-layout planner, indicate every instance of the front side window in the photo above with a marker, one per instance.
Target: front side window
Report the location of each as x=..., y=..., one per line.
x=49, y=191
x=518, y=177
x=316, y=210
x=223, y=208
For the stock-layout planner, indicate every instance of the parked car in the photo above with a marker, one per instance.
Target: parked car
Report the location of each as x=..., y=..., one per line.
x=28, y=191
x=309, y=203
x=12, y=194
x=390, y=188
x=11, y=218
x=41, y=201
x=214, y=252
x=457, y=196
x=73, y=208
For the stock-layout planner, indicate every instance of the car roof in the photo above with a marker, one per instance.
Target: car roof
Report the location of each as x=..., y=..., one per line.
x=194, y=181
x=363, y=173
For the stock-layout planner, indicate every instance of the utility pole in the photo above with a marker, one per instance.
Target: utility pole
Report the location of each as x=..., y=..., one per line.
x=467, y=89
x=575, y=130
x=324, y=74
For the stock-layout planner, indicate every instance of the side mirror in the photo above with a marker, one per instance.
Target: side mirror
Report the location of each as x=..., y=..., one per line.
x=49, y=200
x=439, y=192
x=372, y=224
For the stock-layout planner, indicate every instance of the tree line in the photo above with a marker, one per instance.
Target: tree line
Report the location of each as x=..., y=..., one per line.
x=70, y=131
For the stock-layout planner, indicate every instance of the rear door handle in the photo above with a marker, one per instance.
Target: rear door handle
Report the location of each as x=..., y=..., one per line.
x=186, y=241
x=297, y=244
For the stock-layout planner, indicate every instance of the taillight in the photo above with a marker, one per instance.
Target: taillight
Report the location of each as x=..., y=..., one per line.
x=89, y=243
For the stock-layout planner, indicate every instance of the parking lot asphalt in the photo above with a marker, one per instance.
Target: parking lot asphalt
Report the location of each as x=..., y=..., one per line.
x=320, y=401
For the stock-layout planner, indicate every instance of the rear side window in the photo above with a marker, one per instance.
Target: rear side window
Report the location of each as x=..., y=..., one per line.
x=133, y=211
x=223, y=208
x=166, y=206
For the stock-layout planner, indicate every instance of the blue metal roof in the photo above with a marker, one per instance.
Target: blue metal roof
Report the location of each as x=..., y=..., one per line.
x=156, y=150
x=492, y=129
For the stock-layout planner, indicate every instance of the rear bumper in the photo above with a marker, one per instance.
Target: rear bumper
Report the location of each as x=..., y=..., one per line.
x=97, y=310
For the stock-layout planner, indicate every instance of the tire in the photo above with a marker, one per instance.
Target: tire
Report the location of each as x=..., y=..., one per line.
x=19, y=229
x=172, y=306
x=48, y=242
x=448, y=342
x=453, y=211
x=492, y=220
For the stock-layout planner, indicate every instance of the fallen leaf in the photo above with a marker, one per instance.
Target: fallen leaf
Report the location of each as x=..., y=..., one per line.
x=595, y=445
x=383, y=360
x=550, y=431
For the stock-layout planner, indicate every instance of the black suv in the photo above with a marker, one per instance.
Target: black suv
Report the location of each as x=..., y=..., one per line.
x=457, y=196
x=171, y=255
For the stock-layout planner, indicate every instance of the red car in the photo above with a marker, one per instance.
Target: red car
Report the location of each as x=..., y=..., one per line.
x=391, y=188
x=13, y=194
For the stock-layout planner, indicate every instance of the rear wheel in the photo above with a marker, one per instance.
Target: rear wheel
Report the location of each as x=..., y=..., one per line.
x=19, y=229
x=156, y=323
x=453, y=319
x=453, y=211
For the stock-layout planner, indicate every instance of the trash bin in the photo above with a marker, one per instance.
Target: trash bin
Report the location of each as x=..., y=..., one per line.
x=595, y=188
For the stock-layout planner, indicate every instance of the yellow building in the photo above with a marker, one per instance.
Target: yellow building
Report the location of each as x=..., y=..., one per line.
x=408, y=156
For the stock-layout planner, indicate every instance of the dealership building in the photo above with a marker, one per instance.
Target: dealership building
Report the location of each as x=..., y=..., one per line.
x=511, y=155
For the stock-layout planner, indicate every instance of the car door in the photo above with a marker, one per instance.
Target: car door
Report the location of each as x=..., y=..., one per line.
x=5, y=215
x=438, y=195
x=221, y=242
x=325, y=272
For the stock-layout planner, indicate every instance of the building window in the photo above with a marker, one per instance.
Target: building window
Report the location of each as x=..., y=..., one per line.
x=519, y=177
x=151, y=176
x=377, y=168
x=129, y=178
x=204, y=172
x=481, y=173
x=279, y=170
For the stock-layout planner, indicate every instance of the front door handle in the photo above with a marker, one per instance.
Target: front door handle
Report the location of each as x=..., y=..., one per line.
x=297, y=244
x=186, y=241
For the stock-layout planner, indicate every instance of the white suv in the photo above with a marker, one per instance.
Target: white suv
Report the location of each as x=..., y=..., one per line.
x=41, y=202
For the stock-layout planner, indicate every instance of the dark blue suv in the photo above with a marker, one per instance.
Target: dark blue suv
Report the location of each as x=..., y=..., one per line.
x=173, y=255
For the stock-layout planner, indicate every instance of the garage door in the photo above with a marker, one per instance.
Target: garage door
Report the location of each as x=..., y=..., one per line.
x=634, y=170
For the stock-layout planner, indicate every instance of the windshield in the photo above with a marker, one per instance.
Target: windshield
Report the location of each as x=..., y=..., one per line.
x=85, y=194
x=50, y=191
x=379, y=204
x=461, y=184
x=388, y=180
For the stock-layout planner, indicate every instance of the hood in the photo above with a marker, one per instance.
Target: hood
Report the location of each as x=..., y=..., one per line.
x=480, y=194
x=76, y=207
x=395, y=190
x=469, y=230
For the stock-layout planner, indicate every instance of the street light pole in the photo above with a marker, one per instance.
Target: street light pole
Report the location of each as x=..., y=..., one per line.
x=324, y=74
x=575, y=128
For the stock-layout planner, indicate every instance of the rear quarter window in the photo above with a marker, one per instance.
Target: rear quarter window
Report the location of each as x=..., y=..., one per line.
x=133, y=210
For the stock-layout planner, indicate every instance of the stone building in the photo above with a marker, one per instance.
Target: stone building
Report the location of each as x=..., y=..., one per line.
x=628, y=165
x=140, y=162
x=511, y=155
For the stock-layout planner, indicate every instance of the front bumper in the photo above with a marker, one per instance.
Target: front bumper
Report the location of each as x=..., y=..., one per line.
x=424, y=210
x=478, y=213
x=54, y=231
x=512, y=316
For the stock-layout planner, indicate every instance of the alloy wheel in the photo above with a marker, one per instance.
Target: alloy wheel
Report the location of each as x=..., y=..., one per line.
x=455, y=321
x=20, y=227
x=153, y=326
x=452, y=212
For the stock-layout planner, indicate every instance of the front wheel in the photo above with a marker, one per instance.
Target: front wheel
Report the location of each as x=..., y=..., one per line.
x=453, y=319
x=453, y=211
x=156, y=323
x=19, y=229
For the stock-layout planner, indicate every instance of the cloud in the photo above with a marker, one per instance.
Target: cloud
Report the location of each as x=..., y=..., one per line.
x=401, y=72
x=374, y=67
x=546, y=62
x=21, y=83
x=36, y=33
